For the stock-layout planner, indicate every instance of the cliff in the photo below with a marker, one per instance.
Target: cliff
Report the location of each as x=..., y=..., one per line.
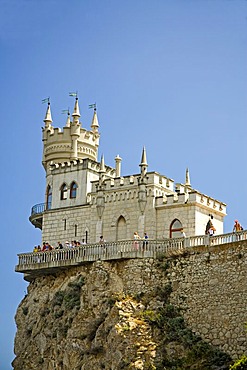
x=176, y=312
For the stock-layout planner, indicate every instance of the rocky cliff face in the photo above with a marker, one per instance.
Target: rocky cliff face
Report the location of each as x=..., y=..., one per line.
x=108, y=315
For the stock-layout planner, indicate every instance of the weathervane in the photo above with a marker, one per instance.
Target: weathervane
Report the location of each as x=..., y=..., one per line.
x=46, y=100
x=74, y=94
x=65, y=111
x=92, y=106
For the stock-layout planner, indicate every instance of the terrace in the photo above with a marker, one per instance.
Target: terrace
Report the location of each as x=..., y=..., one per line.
x=35, y=264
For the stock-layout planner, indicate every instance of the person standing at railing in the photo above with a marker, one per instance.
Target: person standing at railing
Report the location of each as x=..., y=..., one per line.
x=236, y=228
x=136, y=238
x=101, y=240
x=145, y=241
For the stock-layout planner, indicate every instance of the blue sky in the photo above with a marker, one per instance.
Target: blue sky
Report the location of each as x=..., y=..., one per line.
x=167, y=74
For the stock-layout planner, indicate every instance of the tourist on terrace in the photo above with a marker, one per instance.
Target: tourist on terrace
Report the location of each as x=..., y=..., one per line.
x=145, y=241
x=101, y=240
x=136, y=238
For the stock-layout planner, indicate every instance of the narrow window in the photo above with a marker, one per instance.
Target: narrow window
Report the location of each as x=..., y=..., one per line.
x=75, y=230
x=64, y=192
x=64, y=224
x=48, y=197
x=73, y=190
x=86, y=237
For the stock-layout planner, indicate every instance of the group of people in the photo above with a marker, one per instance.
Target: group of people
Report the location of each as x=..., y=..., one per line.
x=48, y=247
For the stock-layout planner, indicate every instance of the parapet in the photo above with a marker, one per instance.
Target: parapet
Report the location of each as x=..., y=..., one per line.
x=192, y=197
x=64, y=145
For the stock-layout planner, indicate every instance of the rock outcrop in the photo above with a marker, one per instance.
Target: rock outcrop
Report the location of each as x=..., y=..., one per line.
x=109, y=315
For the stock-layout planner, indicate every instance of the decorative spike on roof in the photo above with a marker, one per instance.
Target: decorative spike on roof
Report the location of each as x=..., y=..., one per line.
x=68, y=120
x=95, y=124
x=48, y=118
x=187, y=178
x=144, y=158
x=102, y=165
x=76, y=112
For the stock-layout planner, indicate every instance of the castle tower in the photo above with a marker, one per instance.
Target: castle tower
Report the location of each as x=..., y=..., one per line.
x=73, y=143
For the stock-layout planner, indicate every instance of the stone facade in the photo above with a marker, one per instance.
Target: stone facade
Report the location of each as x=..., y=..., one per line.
x=85, y=198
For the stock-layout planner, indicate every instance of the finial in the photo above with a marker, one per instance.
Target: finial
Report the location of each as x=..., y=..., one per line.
x=102, y=165
x=95, y=123
x=76, y=112
x=187, y=178
x=66, y=111
x=48, y=118
x=118, y=165
x=143, y=163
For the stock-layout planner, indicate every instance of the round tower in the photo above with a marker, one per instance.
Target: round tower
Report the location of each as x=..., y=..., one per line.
x=71, y=143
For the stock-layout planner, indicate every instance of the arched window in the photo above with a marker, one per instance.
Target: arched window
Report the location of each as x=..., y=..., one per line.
x=73, y=190
x=64, y=192
x=121, y=229
x=48, y=197
x=175, y=229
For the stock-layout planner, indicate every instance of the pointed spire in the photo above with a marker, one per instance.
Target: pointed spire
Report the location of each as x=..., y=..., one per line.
x=102, y=165
x=68, y=120
x=144, y=158
x=76, y=112
x=187, y=178
x=95, y=124
x=48, y=119
x=143, y=163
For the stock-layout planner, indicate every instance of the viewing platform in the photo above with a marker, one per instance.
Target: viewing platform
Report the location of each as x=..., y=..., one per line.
x=39, y=263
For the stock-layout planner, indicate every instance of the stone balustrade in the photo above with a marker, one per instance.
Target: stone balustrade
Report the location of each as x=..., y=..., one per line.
x=46, y=262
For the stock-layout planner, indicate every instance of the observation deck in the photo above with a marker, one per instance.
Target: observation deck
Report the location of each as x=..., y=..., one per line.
x=48, y=262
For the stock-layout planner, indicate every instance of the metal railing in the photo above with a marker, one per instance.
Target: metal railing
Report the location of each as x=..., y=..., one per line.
x=55, y=258
x=39, y=208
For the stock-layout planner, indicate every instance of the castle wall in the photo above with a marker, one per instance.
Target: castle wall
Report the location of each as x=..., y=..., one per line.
x=210, y=287
x=67, y=224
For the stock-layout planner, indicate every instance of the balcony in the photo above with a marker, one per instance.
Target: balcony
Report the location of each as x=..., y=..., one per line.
x=37, y=212
x=34, y=264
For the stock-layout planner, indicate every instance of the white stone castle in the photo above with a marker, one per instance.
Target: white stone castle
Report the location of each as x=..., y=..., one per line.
x=84, y=198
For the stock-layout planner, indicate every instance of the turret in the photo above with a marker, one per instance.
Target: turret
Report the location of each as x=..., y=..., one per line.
x=73, y=143
x=95, y=124
x=75, y=130
x=118, y=161
x=48, y=119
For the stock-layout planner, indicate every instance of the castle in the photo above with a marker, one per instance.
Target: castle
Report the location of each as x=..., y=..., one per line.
x=85, y=198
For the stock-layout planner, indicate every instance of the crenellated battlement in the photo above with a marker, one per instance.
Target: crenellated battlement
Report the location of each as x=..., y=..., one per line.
x=162, y=183
x=193, y=196
x=78, y=164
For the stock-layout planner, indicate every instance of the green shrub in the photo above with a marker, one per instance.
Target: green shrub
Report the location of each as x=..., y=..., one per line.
x=240, y=364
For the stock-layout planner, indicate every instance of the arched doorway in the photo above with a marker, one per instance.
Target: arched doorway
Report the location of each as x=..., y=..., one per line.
x=175, y=229
x=121, y=229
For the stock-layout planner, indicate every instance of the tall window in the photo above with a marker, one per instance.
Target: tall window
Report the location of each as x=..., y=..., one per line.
x=73, y=190
x=121, y=228
x=175, y=229
x=48, y=197
x=64, y=192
